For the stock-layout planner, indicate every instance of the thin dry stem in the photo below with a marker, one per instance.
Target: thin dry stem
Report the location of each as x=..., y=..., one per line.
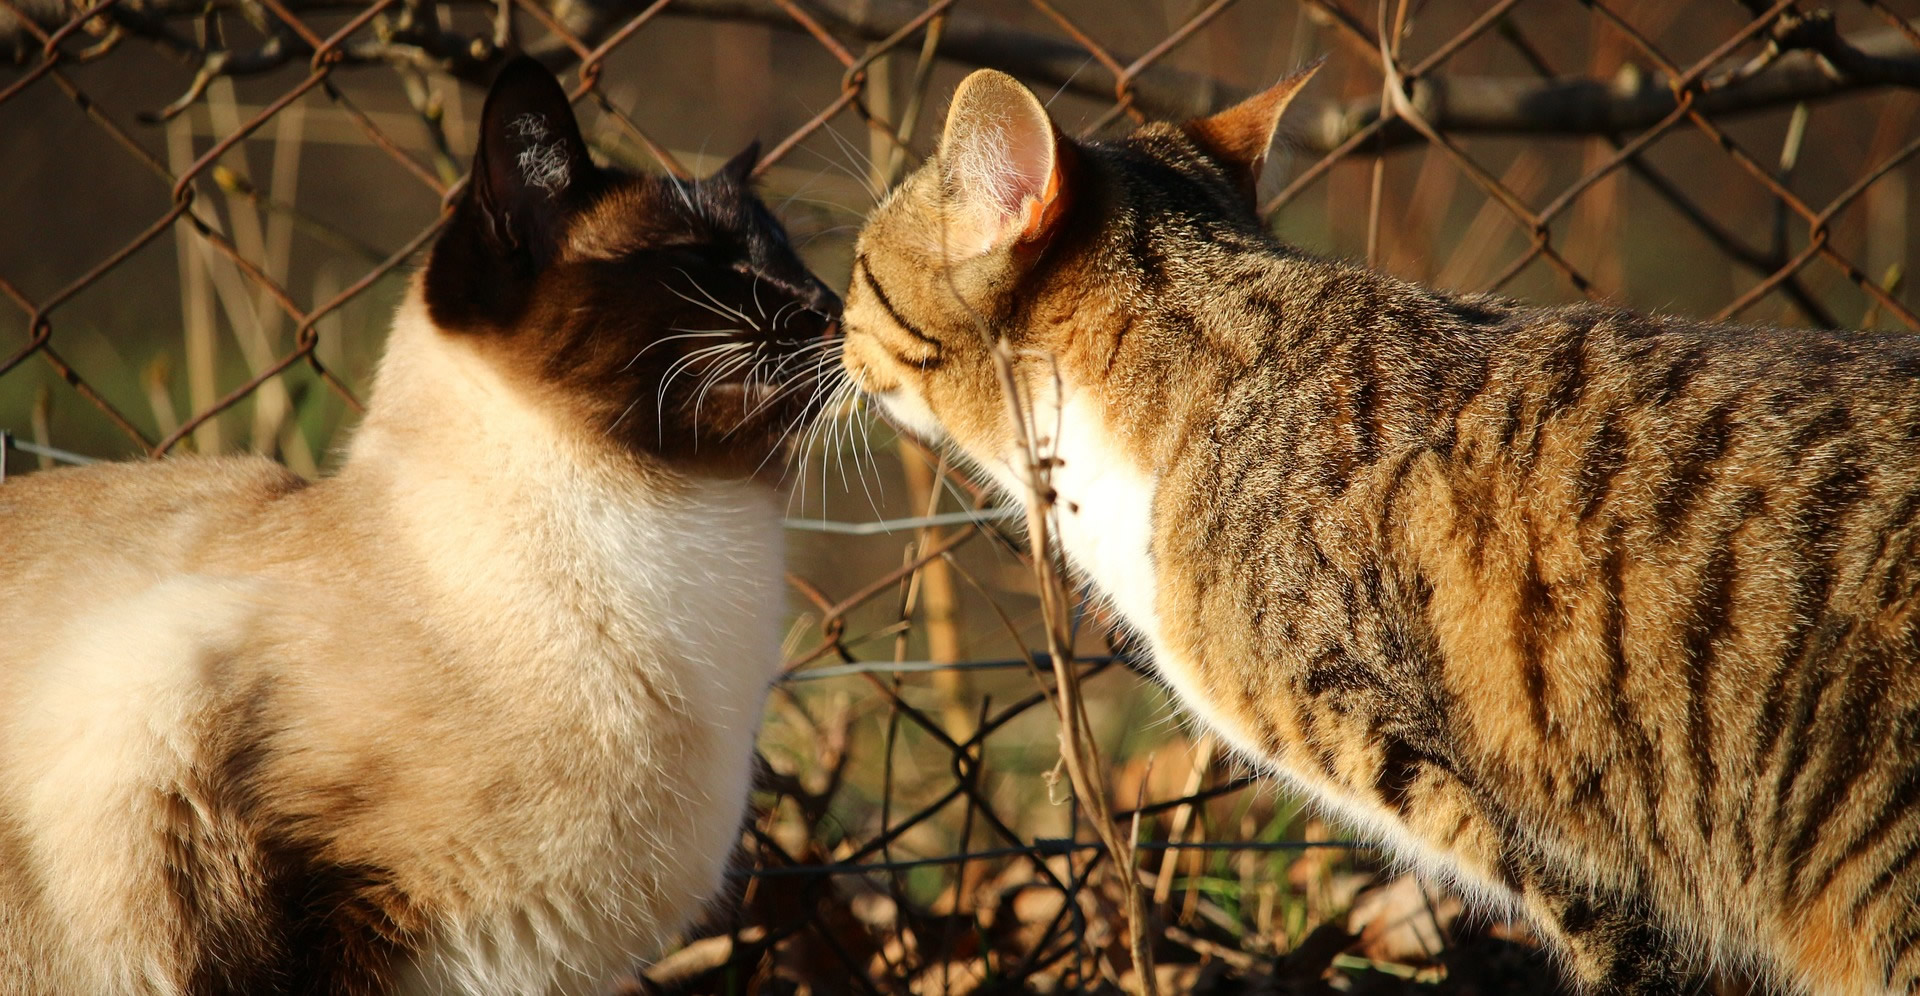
x=1077, y=747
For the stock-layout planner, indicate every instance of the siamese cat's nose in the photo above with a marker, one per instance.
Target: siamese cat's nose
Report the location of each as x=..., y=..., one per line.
x=825, y=302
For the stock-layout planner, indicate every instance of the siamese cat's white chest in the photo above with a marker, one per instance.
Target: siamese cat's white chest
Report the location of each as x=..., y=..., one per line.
x=698, y=572
x=672, y=604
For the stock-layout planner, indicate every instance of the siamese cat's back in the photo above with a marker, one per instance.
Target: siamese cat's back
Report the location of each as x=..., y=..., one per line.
x=141, y=515
x=86, y=538
x=113, y=614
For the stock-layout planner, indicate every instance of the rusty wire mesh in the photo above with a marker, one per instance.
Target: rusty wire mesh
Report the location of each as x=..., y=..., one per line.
x=210, y=207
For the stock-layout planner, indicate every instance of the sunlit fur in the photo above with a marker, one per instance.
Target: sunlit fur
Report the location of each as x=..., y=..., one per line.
x=1609, y=619
x=474, y=714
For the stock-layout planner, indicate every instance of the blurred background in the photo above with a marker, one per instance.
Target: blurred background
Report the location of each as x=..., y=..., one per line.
x=211, y=208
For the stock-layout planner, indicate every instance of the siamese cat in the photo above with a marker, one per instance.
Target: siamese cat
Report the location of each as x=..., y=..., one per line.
x=474, y=714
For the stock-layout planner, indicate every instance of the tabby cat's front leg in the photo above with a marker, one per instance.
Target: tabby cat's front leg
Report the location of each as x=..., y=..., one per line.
x=1611, y=945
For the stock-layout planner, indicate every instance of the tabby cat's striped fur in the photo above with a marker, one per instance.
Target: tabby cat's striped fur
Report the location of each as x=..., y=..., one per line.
x=1609, y=617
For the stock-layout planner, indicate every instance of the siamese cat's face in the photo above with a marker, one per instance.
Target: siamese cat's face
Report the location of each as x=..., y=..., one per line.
x=669, y=316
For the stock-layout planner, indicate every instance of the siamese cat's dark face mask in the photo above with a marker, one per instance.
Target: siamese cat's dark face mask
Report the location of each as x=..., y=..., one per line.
x=668, y=314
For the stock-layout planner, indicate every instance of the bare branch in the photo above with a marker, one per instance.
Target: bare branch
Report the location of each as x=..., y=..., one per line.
x=972, y=38
x=966, y=37
x=1806, y=60
x=1634, y=100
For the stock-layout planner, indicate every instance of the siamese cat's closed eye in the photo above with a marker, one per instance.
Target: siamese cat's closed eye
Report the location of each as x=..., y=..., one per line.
x=473, y=714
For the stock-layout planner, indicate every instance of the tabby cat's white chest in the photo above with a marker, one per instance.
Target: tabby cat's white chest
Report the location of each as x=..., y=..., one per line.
x=1104, y=512
x=1106, y=528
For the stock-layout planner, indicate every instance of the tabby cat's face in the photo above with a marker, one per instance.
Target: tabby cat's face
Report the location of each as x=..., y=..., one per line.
x=1014, y=231
x=669, y=316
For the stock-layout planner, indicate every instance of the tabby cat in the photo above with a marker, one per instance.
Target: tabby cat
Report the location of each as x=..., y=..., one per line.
x=1608, y=618
x=474, y=714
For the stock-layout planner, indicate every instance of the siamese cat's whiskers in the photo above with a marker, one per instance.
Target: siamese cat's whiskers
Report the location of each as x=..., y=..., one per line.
x=830, y=454
x=865, y=429
x=707, y=354
x=782, y=310
x=764, y=376
x=785, y=447
x=720, y=311
x=843, y=446
x=723, y=313
x=694, y=334
x=661, y=390
x=860, y=440
x=735, y=312
x=797, y=355
x=854, y=448
x=717, y=372
x=834, y=457
x=809, y=439
x=748, y=380
x=686, y=334
x=776, y=393
x=720, y=372
x=820, y=377
x=685, y=363
x=800, y=355
x=814, y=438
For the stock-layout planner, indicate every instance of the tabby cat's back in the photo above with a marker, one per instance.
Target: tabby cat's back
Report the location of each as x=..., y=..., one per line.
x=1608, y=618
x=473, y=713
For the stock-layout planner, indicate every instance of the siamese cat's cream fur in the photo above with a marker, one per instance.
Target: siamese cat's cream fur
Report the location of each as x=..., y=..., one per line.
x=474, y=714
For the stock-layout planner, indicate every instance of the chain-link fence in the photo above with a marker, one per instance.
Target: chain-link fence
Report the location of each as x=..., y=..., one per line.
x=210, y=207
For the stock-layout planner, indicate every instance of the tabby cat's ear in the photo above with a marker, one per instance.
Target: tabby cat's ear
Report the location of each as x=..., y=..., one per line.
x=531, y=168
x=1001, y=166
x=1240, y=135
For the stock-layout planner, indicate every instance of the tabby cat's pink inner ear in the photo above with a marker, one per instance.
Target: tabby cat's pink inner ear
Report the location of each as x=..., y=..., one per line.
x=999, y=161
x=1240, y=135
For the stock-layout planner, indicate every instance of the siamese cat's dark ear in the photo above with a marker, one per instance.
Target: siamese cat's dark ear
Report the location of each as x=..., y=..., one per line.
x=531, y=168
x=1003, y=167
x=1240, y=136
x=739, y=169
